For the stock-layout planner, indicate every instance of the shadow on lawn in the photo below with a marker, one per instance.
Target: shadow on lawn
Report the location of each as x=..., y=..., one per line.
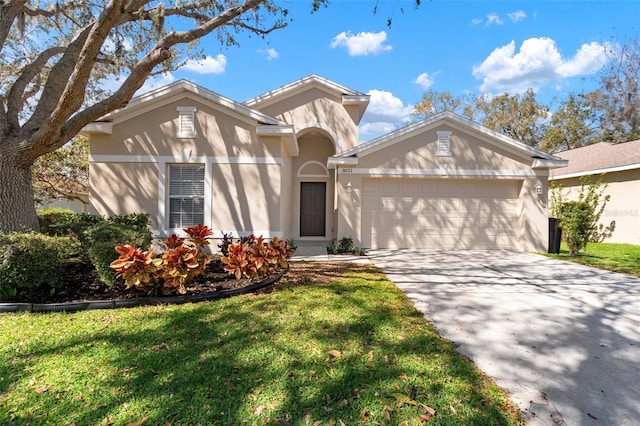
x=265, y=359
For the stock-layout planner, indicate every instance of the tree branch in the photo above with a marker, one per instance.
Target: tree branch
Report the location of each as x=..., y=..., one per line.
x=159, y=53
x=16, y=95
x=8, y=13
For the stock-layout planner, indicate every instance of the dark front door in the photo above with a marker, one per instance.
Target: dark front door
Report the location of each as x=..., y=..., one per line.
x=312, y=209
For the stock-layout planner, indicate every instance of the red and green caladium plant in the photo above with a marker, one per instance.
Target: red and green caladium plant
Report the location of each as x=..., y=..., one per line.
x=257, y=258
x=170, y=271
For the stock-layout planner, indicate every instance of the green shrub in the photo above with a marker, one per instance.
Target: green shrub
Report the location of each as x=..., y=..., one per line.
x=29, y=261
x=580, y=219
x=133, y=220
x=343, y=246
x=577, y=217
x=50, y=219
x=101, y=240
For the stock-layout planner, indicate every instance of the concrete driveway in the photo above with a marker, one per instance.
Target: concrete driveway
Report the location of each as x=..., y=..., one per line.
x=561, y=338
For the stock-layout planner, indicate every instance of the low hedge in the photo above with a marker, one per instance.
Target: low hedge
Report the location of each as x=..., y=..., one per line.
x=29, y=261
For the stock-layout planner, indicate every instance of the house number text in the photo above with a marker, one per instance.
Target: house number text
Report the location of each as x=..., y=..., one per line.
x=347, y=170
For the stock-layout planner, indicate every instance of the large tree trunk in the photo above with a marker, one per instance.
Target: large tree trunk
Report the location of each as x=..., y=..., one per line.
x=17, y=208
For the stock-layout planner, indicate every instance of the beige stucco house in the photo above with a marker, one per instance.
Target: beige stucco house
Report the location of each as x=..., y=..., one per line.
x=619, y=166
x=289, y=163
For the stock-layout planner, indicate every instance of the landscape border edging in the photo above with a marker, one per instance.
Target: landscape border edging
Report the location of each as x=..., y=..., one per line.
x=8, y=307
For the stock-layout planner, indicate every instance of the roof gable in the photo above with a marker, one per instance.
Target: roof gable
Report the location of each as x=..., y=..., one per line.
x=349, y=97
x=182, y=88
x=539, y=158
x=600, y=157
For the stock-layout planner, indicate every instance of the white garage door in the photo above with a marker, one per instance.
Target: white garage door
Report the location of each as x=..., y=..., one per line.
x=440, y=214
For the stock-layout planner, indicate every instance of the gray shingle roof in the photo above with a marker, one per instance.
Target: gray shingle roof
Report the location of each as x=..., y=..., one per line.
x=599, y=156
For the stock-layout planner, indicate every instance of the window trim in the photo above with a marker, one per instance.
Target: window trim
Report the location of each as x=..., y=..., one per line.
x=170, y=197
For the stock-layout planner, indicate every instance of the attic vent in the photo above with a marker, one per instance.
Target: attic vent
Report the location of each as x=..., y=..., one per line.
x=186, y=122
x=444, y=143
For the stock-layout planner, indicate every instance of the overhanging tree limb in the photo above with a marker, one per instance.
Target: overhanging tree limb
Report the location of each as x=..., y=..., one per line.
x=145, y=66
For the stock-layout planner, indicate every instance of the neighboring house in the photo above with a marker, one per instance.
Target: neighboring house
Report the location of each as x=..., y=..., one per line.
x=619, y=165
x=77, y=206
x=289, y=163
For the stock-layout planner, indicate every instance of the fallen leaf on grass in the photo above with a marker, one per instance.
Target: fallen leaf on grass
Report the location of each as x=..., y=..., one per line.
x=402, y=399
x=162, y=347
x=430, y=410
x=335, y=354
x=259, y=410
x=42, y=389
x=364, y=416
x=139, y=422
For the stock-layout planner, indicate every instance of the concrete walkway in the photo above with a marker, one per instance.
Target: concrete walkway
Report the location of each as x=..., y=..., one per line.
x=562, y=339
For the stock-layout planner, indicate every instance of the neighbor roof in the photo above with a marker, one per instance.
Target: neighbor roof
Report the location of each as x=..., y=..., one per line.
x=598, y=158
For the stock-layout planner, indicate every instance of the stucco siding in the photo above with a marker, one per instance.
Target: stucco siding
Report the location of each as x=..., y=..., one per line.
x=118, y=188
x=154, y=133
x=245, y=198
x=623, y=207
x=315, y=108
x=467, y=153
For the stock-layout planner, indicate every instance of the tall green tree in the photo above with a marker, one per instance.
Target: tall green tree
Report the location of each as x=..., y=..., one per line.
x=518, y=116
x=63, y=173
x=55, y=55
x=434, y=102
x=618, y=98
x=574, y=124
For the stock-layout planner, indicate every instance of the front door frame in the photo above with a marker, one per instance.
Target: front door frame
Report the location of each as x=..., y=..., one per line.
x=321, y=211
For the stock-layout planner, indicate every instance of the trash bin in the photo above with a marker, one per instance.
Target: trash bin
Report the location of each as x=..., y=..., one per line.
x=555, y=235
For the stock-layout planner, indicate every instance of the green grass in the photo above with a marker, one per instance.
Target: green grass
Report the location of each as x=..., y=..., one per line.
x=264, y=359
x=624, y=258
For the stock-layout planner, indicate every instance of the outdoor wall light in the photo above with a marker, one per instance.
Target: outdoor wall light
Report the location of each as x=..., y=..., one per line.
x=539, y=189
x=349, y=186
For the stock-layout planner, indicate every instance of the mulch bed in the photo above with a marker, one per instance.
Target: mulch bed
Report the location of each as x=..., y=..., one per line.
x=81, y=283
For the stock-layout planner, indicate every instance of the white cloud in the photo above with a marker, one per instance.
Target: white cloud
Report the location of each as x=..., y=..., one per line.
x=270, y=53
x=111, y=85
x=539, y=61
x=476, y=21
x=208, y=65
x=493, y=18
x=155, y=82
x=425, y=80
x=589, y=59
x=516, y=16
x=362, y=44
x=385, y=113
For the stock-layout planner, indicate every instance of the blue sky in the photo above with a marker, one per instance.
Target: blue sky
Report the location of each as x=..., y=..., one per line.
x=554, y=47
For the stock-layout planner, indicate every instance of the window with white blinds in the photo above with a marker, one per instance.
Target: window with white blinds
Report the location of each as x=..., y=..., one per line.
x=186, y=122
x=186, y=195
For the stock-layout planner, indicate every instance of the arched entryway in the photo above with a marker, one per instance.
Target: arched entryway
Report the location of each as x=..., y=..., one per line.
x=313, y=201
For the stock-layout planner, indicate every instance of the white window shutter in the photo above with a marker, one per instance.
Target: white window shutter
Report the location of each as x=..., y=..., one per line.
x=186, y=122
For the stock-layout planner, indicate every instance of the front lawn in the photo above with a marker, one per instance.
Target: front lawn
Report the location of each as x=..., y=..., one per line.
x=333, y=345
x=624, y=258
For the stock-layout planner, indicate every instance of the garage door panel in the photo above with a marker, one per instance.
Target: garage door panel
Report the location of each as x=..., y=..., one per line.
x=448, y=188
x=423, y=213
x=428, y=188
x=448, y=205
